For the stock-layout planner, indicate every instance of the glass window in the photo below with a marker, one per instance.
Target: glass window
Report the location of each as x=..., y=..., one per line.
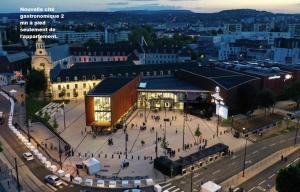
x=102, y=109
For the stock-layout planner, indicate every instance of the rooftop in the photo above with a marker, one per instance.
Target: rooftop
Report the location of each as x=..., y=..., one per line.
x=167, y=83
x=109, y=86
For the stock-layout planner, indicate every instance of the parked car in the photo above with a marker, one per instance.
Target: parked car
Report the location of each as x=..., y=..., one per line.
x=133, y=190
x=28, y=156
x=53, y=180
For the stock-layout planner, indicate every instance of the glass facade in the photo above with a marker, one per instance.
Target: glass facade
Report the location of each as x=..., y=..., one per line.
x=102, y=108
x=161, y=100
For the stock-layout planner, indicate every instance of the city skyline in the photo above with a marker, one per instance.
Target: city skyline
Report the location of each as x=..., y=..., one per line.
x=276, y=6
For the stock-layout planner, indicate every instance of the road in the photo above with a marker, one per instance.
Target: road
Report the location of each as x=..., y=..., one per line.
x=231, y=165
x=266, y=179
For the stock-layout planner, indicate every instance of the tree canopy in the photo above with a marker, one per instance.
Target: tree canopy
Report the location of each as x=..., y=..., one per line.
x=36, y=82
x=265, y=99
x=288, y=179
x=138, y=32
x=293, y=92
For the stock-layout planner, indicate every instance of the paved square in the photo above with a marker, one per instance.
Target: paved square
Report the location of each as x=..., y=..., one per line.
x=140, y=155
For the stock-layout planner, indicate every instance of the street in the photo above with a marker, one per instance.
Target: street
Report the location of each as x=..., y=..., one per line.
x=231, y=165
x=266, y=179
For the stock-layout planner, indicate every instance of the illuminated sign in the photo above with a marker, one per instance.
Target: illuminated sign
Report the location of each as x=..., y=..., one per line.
x=274, y=77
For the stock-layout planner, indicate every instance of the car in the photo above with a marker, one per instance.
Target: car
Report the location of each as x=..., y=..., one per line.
x=28, y=156
x=52, y=180
x=133, y=190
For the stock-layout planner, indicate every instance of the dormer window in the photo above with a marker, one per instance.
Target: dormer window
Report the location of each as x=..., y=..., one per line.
x=94, y=77
x=75, y=78
x=58, y=79
x=67, y=78
x=84, y=78
x=169, y=72
x=161, y=73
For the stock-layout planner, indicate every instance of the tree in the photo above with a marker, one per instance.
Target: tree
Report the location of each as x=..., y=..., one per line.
x=288, y=179
x=293, y=92
x=164, y=145
x=55, y=124
x=246, y=95
x=265, y=99
x=138, y=32
x=91, y=43
x=36, y=82
x=198, y=133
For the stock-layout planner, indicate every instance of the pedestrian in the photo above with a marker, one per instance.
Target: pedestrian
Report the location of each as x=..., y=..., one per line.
x=8, y=184
x=81, y=132
x=71, y=178
x=176, y=131
x=84, y=129
x=77, y=171
x=281, y=157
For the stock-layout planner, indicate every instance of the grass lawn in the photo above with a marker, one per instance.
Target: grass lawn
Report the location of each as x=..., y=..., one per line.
x=257, y=122
x=33, y=105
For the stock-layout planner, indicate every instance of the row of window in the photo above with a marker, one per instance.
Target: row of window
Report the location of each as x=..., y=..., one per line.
x=101, y=53
x=94, y=77
x=101, y=59
x=84, y=86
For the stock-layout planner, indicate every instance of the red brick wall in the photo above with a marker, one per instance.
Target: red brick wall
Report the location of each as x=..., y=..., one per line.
x=124, y=99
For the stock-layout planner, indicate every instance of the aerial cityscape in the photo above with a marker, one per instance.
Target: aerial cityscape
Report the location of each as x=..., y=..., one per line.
x=149, y=96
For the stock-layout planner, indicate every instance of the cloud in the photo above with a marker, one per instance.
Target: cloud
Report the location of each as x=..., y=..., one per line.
x=117, y=3
x=152, y=7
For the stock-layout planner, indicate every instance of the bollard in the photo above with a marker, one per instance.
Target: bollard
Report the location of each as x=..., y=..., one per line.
x=144, y=157
x=98, y=155
x=84, y=154
x=112, y=156
x=151, y=158
x=132, y=157
x=138, y=157
x=79, y=154
x=119, y=156
x=105, y=155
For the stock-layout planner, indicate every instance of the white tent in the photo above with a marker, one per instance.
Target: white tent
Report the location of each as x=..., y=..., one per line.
x=92, y=165
x=210, y=187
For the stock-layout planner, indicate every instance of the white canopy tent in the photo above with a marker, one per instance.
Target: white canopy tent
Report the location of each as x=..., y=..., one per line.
x=92, y=165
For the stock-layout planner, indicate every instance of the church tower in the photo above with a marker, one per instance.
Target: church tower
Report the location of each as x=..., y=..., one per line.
x=41, y=60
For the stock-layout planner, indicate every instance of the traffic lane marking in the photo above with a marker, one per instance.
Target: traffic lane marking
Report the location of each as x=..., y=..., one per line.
x=51, y=187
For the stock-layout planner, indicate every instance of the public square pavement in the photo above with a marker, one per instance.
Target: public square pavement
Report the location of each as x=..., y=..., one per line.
x=140, y=156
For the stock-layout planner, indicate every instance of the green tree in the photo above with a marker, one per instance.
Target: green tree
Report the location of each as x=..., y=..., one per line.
x=265, y=99
x=55, y=124
x=36, y=82
x=198, y=133
x=91, y=43
x=138, y=32
x=288, y=179
x=46, y=116
x=164, y=145
x=293, y=92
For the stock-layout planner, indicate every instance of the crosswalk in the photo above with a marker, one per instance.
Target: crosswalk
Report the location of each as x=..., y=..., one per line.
x=169, y=187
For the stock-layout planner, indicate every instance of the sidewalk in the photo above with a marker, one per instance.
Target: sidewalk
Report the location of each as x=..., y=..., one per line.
x=255, y=169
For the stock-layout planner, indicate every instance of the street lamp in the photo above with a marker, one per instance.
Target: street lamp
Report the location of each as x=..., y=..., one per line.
x=245, y=151
x=192, y=175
